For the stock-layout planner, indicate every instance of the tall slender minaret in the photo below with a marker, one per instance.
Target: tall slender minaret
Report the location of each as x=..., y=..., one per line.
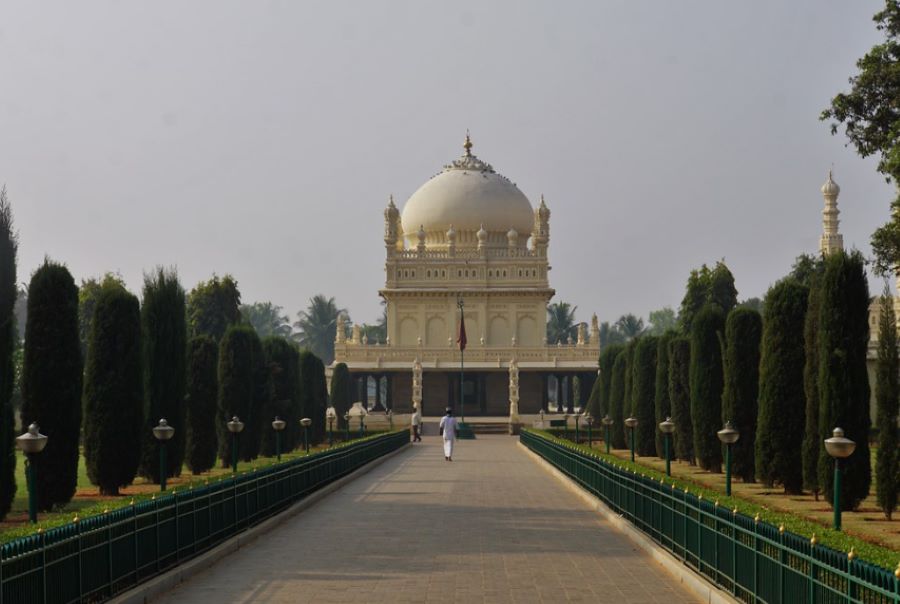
x=831, y=240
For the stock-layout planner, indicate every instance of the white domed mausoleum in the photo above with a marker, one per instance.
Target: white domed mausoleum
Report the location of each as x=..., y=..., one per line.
x=470, y=236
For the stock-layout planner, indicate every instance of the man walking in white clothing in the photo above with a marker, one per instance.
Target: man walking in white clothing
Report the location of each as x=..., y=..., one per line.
x=417, y=425
x=448, y=431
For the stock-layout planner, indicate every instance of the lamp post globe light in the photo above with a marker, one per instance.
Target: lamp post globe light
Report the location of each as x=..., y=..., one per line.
x=163, y=432
x=631, y=423
x=839, y=447
x=278, y=425
x=306, y=423
x=360, y=411
x=667, y=428
x=31, y=443
x=728, y=435
x=588, y=421
x=330, y=415
x=234, y=426
x=607, y=422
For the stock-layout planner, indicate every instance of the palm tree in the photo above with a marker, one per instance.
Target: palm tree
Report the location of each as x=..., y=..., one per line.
x=317, y=327
x=561, y=322
x=630, y=326
x=267, y=319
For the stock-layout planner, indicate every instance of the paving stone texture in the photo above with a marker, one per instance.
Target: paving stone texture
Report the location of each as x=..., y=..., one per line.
x=490, y=526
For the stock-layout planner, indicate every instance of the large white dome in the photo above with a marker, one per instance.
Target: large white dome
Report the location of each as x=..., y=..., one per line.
x=468, y=194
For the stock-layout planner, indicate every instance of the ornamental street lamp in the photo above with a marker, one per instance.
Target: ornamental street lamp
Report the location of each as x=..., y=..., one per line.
x=566, y=425
x=577, y=419
x=360, y=411
x=728, y=435
x=347, y=424
x=31, y=443
x=306, y=422
x=390, y=415
x=278, y=425
x=163, y=433
x=588, y=420
x=667, y=427
x=631, y=423
x=839, y=448
x=607, y=422
x=234, y=426
x=330, y=415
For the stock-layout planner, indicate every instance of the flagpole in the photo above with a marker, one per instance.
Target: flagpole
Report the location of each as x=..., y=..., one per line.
x=462, y=348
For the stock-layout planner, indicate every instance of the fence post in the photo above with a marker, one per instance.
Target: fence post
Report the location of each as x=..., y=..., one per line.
x=811, y=579
x=734, y=534
x=109, y=554
x=782, y=562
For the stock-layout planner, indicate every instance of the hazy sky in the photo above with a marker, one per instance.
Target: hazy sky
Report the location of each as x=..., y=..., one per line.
x=262, y=139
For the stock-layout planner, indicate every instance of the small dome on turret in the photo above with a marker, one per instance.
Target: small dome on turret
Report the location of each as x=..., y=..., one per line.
x=830, y=187
x=482, y=235
x=513, y=236
x=451, y=234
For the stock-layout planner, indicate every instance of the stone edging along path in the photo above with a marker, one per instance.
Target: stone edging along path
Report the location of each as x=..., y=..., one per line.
x=693, y=582
x=147, y=591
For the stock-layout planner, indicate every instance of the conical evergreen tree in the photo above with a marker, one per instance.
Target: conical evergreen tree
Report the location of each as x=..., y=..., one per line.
x=113, y=391
x=51, y=381
x=262, y=412
x=661, y=402
x=202, y=393
x=743, y=333
x=607, y=360
x=164, y=338
x=706, y=385
x=341, y=392
x=9, y=246
x=843, y=380
x=812, y=443
x=645, y=395
x=314, y=393
x=782, y=402
x=237, y=394
x=284, y=362
x=887, y=392
x=680, y=397
x=617, y=401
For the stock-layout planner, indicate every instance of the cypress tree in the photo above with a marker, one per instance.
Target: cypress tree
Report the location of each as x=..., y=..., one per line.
x=284, y=363
x=341, y=392
x=202, y=393
x=645, y=395
x=661, y=403
x=628, y=404
x=592, y=406
x=782, y=402
x=607, y=360
x=706, y=383
x=164, y=339
x=113, y=392
x=236, y=391
x=812, y=444
x=319, y=401
x=743, y=333
x=843, y=380
x=887, y=392
x=9, y=246
x=617, y=401
x=680, y=397
x=262, y=413
x=51, y=381
x=721, y=287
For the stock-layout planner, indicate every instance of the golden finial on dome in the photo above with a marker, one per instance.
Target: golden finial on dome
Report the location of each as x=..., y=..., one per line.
x=468, y=144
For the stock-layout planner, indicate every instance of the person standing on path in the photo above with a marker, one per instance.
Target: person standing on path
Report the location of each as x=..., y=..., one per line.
x=448, y=431
x=417, y=425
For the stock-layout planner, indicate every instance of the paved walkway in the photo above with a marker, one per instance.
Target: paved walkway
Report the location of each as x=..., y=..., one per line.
x=492, y=526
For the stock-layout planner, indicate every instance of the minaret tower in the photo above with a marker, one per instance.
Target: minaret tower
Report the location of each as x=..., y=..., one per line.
x=831, y=240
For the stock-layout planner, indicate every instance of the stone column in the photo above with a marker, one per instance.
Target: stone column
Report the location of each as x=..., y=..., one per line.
x=570, y=394
x=378, y=404
x=514, y=421
x=559, y=393
x=545, y=389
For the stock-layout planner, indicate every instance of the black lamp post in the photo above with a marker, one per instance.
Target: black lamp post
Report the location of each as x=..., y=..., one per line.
x=588, y=420
x=631, y=423
x=234, y=426
x=667, y=427
x=728, y=435
x=839, y=448
x=330, y=415
x=31, y=443
x=306, y=423
x=607, y=422
x=278, y=425
x=163, y=432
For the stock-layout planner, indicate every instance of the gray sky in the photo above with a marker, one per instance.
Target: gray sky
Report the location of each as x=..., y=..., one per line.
x=262, y=139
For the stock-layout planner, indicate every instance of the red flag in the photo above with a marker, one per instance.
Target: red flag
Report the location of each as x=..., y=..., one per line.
x=461, y=340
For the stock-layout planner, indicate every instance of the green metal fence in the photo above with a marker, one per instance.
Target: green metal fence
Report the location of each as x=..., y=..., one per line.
x=752, y=560
x=100, y=556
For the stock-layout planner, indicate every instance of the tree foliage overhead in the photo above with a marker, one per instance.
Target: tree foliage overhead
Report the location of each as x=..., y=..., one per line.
x=644, y=395
x=113, y=391
x=267, y=319
x=743, y=333
x=706, y=383
x=9, y=247
x=561, y=323
x=202, y=393
x=707, y=286
x=680, y=397
x=782, y=401
x=317, y=327
x=51, y=380
x=239, y=391
x=843, y=380
x=887, y=397
x=213, y=306
x=164, y=340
